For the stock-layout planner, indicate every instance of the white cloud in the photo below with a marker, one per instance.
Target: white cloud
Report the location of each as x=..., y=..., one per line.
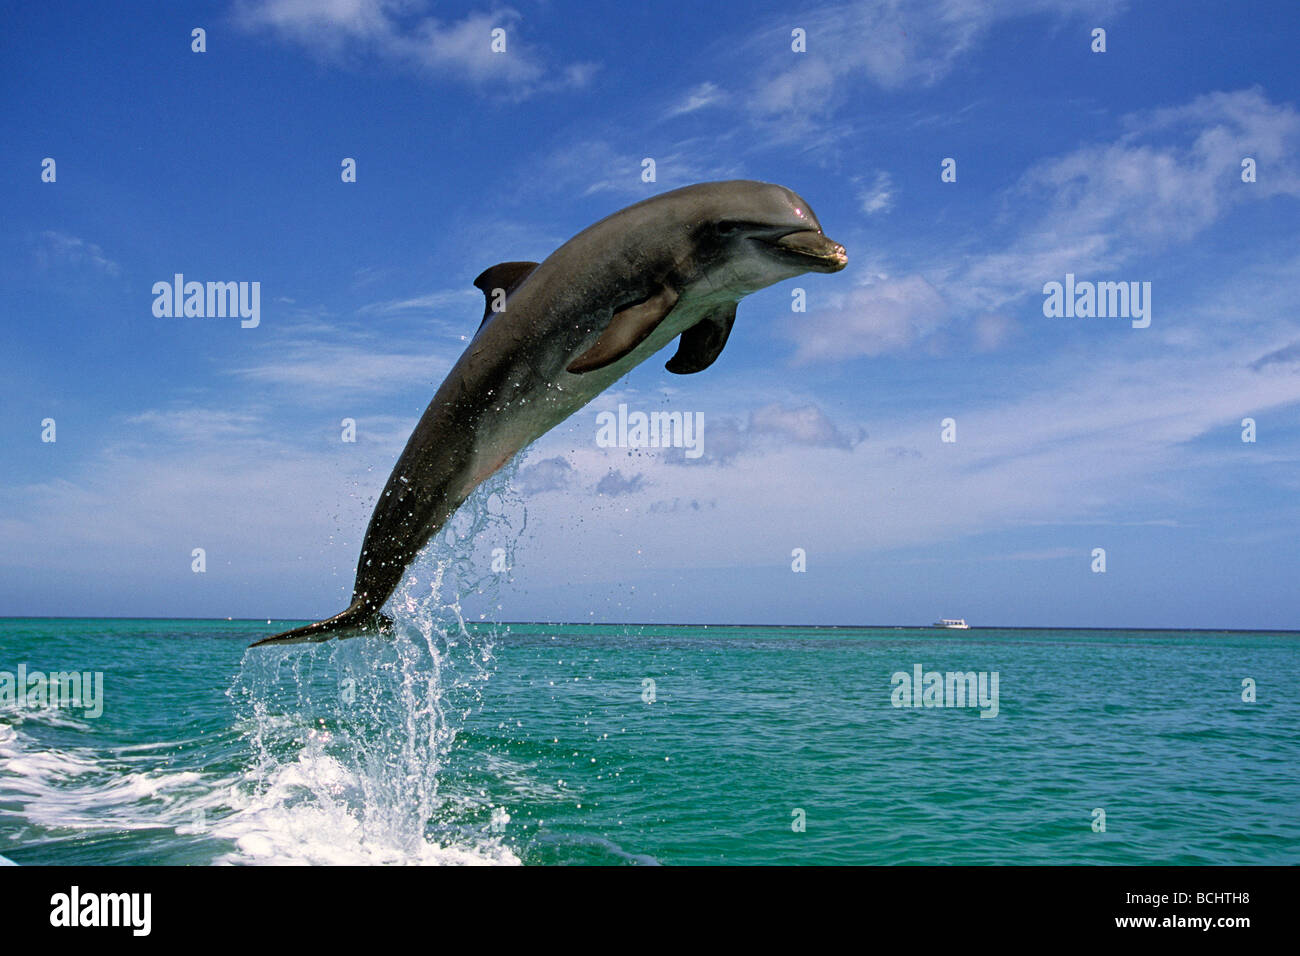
x=397, y=30
x=885, y=315
x=992, y=331
x=879, y=196
x=697, y=98
x=326, y=369
x=594, y=166
x=1164, y=182
x=893, y=44
x=805, y=424
x=192, y=424
x=1105, y=204
x=459, y=299
x=1286, y=355
x=60, y=247
x=1045, y=554
x=146, y=504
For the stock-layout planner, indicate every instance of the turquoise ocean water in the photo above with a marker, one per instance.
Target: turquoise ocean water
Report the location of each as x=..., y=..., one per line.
x=648, y=744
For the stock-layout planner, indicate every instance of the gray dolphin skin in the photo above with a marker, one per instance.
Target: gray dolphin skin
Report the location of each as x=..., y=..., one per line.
x=604, y=302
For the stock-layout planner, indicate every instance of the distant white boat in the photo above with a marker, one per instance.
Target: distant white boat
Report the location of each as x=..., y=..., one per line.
x=957, y=624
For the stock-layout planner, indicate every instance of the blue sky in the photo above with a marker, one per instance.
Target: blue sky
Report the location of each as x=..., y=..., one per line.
x=822, y=428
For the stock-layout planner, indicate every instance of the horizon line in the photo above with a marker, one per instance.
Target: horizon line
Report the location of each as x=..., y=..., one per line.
x=972, y=627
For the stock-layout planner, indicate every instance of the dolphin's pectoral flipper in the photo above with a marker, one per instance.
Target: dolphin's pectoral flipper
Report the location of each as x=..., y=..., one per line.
x=701, y=344
x=505, y=276
x=626, y=330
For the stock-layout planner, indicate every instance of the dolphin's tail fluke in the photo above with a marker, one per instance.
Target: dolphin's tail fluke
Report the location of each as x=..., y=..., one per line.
x=356, y=619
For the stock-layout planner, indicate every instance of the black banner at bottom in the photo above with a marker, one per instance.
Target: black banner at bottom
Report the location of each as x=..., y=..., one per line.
x=941, y=905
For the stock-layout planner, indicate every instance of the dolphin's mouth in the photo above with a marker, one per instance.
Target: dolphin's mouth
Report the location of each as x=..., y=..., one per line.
x=811, y=249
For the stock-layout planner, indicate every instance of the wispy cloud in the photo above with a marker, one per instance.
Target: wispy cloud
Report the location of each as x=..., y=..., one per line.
x=1168, y=178
x=58, y=247
x=1287, y=355
x=458, y=299
x=594, y=166
x=326, y=369
x=191, y=424
x=697, y=98
x=804, y=424
x=890, y=43
x=398, y=31
x=884, y=315
x=1045, y=554
x=879, y=196
x=1164, y=181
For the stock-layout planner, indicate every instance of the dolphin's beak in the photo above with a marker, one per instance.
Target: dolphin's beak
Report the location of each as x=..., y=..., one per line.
x=814, y=250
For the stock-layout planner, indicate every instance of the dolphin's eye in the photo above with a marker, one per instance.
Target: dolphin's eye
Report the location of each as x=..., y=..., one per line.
x=730, y=227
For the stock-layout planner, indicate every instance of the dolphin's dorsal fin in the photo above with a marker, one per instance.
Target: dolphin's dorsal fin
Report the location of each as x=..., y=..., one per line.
x=702, y=343
x=505, y=276
x=627, y=329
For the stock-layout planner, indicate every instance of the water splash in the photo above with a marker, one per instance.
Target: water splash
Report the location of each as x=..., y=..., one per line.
x=348, y=738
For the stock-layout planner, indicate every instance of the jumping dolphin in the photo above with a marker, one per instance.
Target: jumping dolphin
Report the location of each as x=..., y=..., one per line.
x=557, y=334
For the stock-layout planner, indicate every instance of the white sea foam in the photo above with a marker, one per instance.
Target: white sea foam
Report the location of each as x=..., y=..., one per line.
x=350, y=737
x=77, y=788
x=304, y=816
